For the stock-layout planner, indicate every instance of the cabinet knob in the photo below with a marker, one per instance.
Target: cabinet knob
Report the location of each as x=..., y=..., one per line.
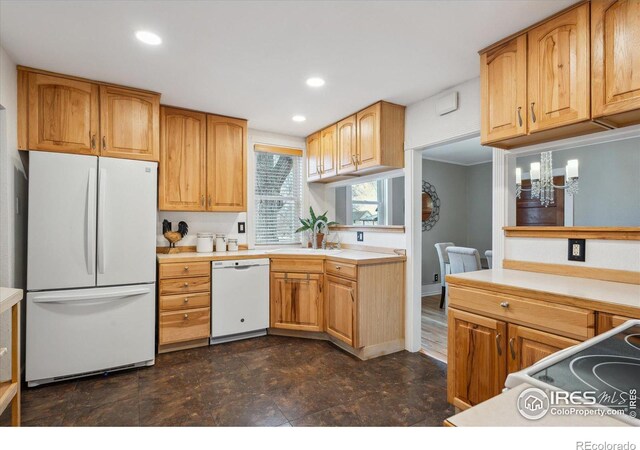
x=186, y=316
x=186, y=267
x=186, y=300
x=186, y=285
x=338, y=267
x=504, y=304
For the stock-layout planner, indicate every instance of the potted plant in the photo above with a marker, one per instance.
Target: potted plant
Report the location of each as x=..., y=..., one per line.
x=310, y=225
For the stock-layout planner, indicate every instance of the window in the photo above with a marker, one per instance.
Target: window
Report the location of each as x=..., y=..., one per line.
x=368, y=203
x=278, y=197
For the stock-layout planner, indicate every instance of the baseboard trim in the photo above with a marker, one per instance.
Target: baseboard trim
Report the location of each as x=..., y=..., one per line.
x=431, y=289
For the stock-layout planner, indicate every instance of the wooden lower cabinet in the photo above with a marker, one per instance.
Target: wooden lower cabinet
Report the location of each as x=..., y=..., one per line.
x=340, y=301
x=606, y=322
x=296, y=301
x=528, y=346
x=477, y=364
x=185, y=325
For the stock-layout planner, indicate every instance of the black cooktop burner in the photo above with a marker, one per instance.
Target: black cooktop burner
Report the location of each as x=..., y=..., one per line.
x=610, y=368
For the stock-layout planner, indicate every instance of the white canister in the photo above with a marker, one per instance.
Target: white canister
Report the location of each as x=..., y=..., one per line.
x=204, y=243
x=232, y=245
x=221, y=243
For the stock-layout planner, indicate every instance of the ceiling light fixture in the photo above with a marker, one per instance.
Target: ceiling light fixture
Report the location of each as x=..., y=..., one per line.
x=148, y=37
x=315, y=82
x=298, y=118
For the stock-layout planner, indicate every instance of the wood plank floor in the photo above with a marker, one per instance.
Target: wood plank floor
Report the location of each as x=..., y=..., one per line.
x=267, y=381
x=434, y=328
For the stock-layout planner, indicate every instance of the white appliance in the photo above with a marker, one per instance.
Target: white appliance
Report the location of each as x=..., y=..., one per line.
x=239, y=299
x=90, y=266
x=607, y=365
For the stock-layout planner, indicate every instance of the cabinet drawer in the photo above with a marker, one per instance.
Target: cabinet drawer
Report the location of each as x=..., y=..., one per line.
x=188, y=301
x=184, y=285
x=559, y=319
x=179, y=270
x=185, y=325
x=342, y=269
x=297, y=265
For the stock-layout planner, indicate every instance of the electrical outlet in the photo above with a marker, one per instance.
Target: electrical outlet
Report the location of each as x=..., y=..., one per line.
x=360, y=236
x=436, y=277
x=241, y=228
x=577, y=249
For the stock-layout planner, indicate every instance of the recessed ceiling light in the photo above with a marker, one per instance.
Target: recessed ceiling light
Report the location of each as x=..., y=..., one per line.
x=315, y=82
x=148, y=37
x=298, y=118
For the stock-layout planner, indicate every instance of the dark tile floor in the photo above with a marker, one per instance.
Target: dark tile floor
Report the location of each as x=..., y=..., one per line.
x=268, y=381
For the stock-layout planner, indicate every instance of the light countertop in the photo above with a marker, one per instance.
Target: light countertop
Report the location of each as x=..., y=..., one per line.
x=342, y=255
x=9, y=297
x=619, y=296
x=501, y=411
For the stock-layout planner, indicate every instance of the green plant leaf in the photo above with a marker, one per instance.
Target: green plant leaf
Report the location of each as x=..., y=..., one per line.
x=312, y=214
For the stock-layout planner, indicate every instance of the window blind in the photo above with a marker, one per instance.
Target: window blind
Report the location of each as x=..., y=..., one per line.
x=278, y=195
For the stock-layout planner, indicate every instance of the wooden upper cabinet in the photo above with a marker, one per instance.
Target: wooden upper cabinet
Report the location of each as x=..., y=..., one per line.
x=368, y=145
x=62, y=114
x=313, y=157
x=347, y=146
x=615, y=61
x=340, y=307
x=528, y=346
x=476, y=358
x=226, y=164
x=129, y=123
x=328, y=151
x=558, y=71
x=182, y=178
x=503, y=74
x=296, y=301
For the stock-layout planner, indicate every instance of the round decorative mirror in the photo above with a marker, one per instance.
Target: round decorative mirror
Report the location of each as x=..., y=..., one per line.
x=430, y=206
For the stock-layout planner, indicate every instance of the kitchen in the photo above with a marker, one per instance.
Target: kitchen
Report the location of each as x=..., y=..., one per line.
x=173, y=245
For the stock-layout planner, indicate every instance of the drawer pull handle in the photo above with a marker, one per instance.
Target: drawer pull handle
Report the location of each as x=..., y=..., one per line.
x=186, y=316
x=513, y=350
x=186, y=267
x=497, y=343
x=504, y=304
x=338, y=267
x=186, y=300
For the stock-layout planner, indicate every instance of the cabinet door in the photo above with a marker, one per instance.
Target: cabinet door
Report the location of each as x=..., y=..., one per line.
x=528, y=346
x=226, y=164
x=296, y=301
x=347, y=152
x=477, y=361
x=615, y=58
x=503, y=85
x=313, y=157
x=328, y=150
x=63, y=114
x=559, y=72
x=340, y=301
x=183, y=170
x=129, y=124
x=368, y=136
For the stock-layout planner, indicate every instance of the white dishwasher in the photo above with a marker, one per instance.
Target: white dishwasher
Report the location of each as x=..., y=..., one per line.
x=239, y=299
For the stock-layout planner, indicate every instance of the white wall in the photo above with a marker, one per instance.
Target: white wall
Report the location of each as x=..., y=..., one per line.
x=13, y=184
x=424, y=127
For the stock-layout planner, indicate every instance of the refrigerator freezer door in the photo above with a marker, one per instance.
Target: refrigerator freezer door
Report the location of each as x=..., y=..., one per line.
x=62, y=221
x=126, y=249
x=82, y=331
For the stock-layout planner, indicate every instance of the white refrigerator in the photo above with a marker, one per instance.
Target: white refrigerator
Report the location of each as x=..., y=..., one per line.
x=90, y=265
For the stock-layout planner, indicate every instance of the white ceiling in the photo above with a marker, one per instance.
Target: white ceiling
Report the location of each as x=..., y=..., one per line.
x=250, y=59
x=464, y=153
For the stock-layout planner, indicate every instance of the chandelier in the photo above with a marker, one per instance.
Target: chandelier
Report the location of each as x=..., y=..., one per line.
x=541, y=175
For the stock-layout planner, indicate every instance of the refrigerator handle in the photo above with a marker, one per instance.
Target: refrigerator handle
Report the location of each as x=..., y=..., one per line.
x=90, y=242
x=79, y=297
x=102, y=198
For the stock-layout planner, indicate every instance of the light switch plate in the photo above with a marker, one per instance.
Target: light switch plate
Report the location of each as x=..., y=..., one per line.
x=241, y=227
x=577, y=248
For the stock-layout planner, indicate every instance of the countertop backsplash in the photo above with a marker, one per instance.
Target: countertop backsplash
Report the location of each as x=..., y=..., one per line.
x=226, y=223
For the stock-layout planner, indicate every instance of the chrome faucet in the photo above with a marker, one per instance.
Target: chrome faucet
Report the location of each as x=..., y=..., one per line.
x=315, y=233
